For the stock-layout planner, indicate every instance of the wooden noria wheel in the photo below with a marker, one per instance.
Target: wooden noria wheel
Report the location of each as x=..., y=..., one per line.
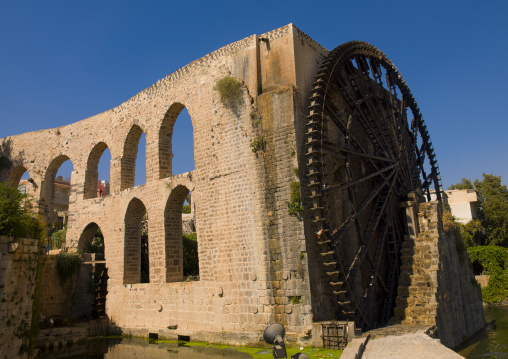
x=367, y=147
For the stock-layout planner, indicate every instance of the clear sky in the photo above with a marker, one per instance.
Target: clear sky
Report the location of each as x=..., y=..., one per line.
x=64, y=61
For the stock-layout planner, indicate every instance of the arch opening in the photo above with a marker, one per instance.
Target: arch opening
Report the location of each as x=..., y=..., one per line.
x=20, y=177
x=97, y=172
x=176, y=142
x=17, y=174
x=181, y=247
x=56, y=192
x=91, y=239
x=134, y=155
x=136, y=248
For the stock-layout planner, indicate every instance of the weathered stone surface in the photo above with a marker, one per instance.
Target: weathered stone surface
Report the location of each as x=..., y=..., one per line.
x=238, y=196
x=439, y=287
x=18, y=262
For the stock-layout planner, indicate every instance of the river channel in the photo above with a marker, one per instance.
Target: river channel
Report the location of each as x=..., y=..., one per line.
x=492, y=343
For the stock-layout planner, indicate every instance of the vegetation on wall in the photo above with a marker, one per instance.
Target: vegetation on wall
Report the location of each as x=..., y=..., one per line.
x=230, y=90
x=67, y=264
x=186, y=208
x=294, y=204
x=258, y=144
x=190, y=255
x=492, y=260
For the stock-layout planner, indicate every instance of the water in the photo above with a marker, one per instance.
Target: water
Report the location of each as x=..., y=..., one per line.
x=131, y=348
x=493, y=343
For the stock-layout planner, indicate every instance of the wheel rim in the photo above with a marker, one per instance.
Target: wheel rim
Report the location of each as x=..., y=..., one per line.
x=367, y=147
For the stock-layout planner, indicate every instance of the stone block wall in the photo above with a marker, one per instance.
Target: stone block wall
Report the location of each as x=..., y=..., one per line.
x=72, y=298
x=437, y=285
x=252, y=253
x=18, y=262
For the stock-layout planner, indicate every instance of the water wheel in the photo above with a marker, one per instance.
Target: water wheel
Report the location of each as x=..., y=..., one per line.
x=367, y=147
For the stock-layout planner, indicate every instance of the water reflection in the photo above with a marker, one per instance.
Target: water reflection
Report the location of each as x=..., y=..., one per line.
x=127, y=348
x=493, y=343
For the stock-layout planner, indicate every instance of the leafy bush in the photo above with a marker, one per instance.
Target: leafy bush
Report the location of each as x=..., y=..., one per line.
x=494, y=260
x=190, y=254
x=67, y=264
x=230, y=90
x=57, y=239
x=294, y=205
x=16, y=217
x=186, y=208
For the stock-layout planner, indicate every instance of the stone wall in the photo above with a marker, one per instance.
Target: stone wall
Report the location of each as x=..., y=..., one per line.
x=18, y=262
x=72, y=298
x=252, y=253
x=437, y=285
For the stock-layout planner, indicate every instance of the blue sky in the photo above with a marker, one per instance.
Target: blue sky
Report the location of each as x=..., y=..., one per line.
x=63, y=61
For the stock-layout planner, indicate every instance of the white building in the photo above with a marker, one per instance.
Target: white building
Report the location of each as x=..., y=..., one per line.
x=463, y=203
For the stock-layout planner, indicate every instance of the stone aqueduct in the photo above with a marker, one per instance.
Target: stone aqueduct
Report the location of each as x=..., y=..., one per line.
x=258, y=263
x=251, y=251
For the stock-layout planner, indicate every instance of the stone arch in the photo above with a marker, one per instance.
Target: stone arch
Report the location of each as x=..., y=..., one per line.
x=130, y=152
x=165, y=140
x=87, y=236
x=173, y=233
x=16, y=174
x=133, y=243
x=92, y=170
x=47, y=197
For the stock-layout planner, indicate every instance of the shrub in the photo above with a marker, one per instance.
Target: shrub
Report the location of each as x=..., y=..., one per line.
x=230, y=90
x=186, y=208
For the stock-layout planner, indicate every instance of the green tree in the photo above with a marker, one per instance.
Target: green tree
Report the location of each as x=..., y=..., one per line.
x=492, y=260
x=474, y=230
x=463, y=184
x=494, y=209
x=16, y=217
